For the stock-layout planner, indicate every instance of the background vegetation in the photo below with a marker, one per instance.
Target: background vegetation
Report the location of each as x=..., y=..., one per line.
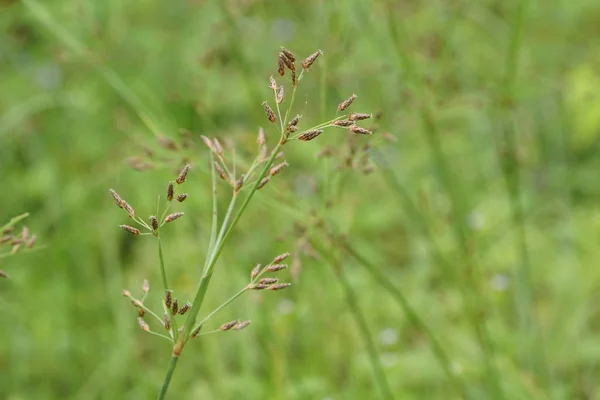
x=483, y=212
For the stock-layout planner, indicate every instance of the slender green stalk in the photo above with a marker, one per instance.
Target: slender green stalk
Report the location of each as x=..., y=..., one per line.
x=215, y=211
x=168, y=376
x=163, y=273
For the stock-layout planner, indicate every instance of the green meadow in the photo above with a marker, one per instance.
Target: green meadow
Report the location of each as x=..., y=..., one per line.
x=452, y=254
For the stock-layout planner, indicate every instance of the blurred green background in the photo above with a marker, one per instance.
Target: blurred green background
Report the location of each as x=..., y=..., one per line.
x=483, y=212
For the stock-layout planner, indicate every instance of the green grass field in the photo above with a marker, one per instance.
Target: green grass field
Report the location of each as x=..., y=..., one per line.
x=465, y=265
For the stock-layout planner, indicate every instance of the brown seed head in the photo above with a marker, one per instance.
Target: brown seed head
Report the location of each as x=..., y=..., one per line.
x=279, y=97
x=145, y=286
x=269, y=111
x=170, y=191
x=346, y=103
x=275, y=267
x=3, y=274
x=343, y=122
x=255, y=271
x=261, y=139
x=360, y=131
x=181, y=197
x=263, y=183
x=183, y=174
x=295, y=120
x=208, y=143
x=118, y=200
x=308, y=61
x=276, y=169
x=154, y=223
x=196, y=332
x=130, y=229
x=280, y=66
x=175, y=307
x=288, y=54
x=126, y=293
x=173, y=217
x=168, y=298
x=5, y=238
x=272, y=83
x=143, y=324
x=239, y=183
x=129, y=209
x=166, y=143
x=221, y=172
x=358, y=116
x=218, y=147
x=185, y=308
x=141, y=312
x=279, y=286
x=24, y=233
x=288, y=63
x=228, y=325
x=310, y=135
x=167, y=321
x=257, y=286
x=267, y=281
x=15, y=248
x=31, y=242
x=280, y=258
x=294, y=81
x=241, y=325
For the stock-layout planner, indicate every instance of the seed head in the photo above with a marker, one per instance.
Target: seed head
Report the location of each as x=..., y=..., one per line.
x=175, y=307
x=166, y=143
x=181, y=197
x=295, y=120
x=31, y=242
x=255, y=271
x=228, y=325
x=308, y=61
x=167, y=321
x=170, y=191
x=359, y=116
x=208, y=143
x=221, y=173
x=173, y=217
x=218, y=147
x=346, y=103
x=288, y=63
x=183, y=174
x=3, y=274
x=5, y=238
x=272, y=83
x=261, y=140
x=275, y=267
x=196, y=332
x=154, y=223
x=126, y=293
x=239, y=183
x=267, y=281
x=280, y=66
x=141, y=312
x=290, y=56
x=129, y=209
x=279, y=97
x=257, y=286
x=276, y=169
x=280, y=258
x=269, y=111
x=294, y=81
x=263, y=182
x=143, y=324
x=146, y=286
x=343, y=122
x=310, y=135
x=185, y=308
x=279, y=286
x=130, y=229
x=241, y=325
x=359, y=130
x=168, y=298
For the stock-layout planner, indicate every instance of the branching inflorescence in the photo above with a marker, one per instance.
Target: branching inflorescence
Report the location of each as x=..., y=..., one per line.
x=181, y=321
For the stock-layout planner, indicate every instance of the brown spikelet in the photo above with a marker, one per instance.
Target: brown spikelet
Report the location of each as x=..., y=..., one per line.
x=3, y=274
x=173, y=217
x=181, y=197
x=294, y=81
x=221, y=172
x=143, y=324
x=276, y=169
x=170, y=191
x=275, y=267
x=343, y=122
x=269, y=111
x=31, y=242
x=279, y=286
x=310, y=135
x=280, y=258
x=15, y=249
x=263, y=183
x=290, y=56
x=166, y=143
x=346, y=103
x=279, y=97
x=138, y=164
x=196, y=331
x=168, y=298
x=257, y=286
x=185, y=308
x=288, y=63
x=272, y=83
x=264, y=150
x=228, y=325
x=239, y=183
x=280, y=65
x=129, y=209
x=294, y=121
x=359, y=116
x=261, y=139
x=360, y=131
x=218, y=147
x=5, y=238
x=118, y=200
x=267, y=281
x=130, y=229
x=241, y=325
x=167, y=321
x=126, y=293
x=255, y=271
x=141, y=312
x=175, y=307
x=208, y=143
x=153, y=222
x=183, y=174
x=145, y=286
x=308, y=61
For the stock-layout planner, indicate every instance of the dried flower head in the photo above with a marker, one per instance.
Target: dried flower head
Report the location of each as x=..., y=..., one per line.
x=275, y=267
x=288, y=63
x=239, y=183
x=261, y=139
x=257, y=286
x=269, y=111
x=130, y=229
x=241, y=325
x=279, y=97
x=263, y=183
x=143, y=324
x=167, y=321
x=181, y=197
x=153, y=222
x=168, y=298
x=346, y=103
x=267, y=281
x=5, y=238
x=170, y=191
x=310, y=135
x=173, y=217
x=279, y=286
x=272, y=83
x=218, y=147
x=166, y=143
x=208, y=143
x=276, y=169
x=129, y=209
x=294, y=121
x=290, y=56
x=126, y=293
x=196, y=331
x=359, y=130
x=280, y=258
x=175, y=307
x=255, y=271
x=359, y=116
x=228, y=325
x=221, y=172
x=183, y=174
x=308, y=61
x=280, y=66
x=294, y=81
x=145, y=286
x=343, y=122
x=185, y=308
x=31, y=242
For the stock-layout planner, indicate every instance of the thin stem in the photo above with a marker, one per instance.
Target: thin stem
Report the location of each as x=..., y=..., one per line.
x=163, y=272
x=168, y=376
x=215, y=211
x=161, y=335
x=216, y=310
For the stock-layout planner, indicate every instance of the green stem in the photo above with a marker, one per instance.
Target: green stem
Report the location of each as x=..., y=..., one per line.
x=163, y=273
x=168, y=376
